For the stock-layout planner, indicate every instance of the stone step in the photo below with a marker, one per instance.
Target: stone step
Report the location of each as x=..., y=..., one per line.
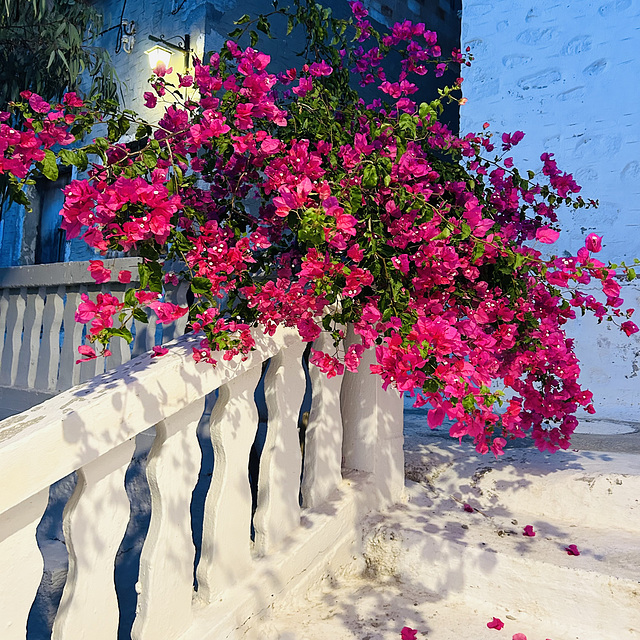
x=480, y=557
x=586, y=488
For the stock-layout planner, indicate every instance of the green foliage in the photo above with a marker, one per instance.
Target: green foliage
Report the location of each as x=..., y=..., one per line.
x=46, y=45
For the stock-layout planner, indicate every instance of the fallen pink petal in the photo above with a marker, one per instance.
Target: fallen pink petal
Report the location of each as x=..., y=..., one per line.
x=528, y=531
x=408, y=633
x=496, y=624
x=159, y=351
x=519, y=636
x=572, y=550
x=468, y=508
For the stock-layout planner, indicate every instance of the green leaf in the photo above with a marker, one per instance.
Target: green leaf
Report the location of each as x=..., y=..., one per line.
x=144, y=272
x=50, y=166
x=68, y=157
x=243, y=20
x=201, y=285
x=355, y=198
x=149, y=158
x=122, y=333
x=407, y=123
x=130, y=297
x=263, y=25
x=140, y=315
x=143, y=131
x=369, y=177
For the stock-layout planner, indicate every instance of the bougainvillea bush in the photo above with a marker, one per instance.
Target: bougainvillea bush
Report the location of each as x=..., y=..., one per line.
x=287, y=199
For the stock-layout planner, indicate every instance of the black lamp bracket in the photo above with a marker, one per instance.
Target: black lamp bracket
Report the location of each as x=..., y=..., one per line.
x=184, y=46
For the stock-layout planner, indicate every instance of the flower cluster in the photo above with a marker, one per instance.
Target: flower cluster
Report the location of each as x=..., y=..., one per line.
x=285, y=199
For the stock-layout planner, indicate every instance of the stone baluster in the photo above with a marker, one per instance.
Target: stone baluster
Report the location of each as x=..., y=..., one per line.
x=166, y=563
x=226, y=540
x=30, y=349
x=20, y=564
x=94, y=523
x=278, y=511
x=69, y=371
x=323, y=438
x=49, y=359
x=13, y=340
x=372, y=424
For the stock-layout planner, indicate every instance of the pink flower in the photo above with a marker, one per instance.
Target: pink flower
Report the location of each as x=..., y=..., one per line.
x=497, y=446
x=519, y=636
x=150, y=100
x=168, y=312
x=87, y=310
x=469, y=509
x=145, y=297
x=99, y=272
x=72, y=99
x=496, y=624
x=320, y=69
x=171, y=278
x=528, y=531
x=593, y=243
x=611, y=288
x=572, y=550
x=629, y=327
x=304, y=86
x=435, y=417
x=124, y=277
x=547, y=235
x=355, y=253
x=159, y=351
x=161, y=69
x=38, y=104
x=408, y=634
x=88, y=352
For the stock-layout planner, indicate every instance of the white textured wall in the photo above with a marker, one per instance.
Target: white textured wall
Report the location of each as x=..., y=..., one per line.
x=566, y=73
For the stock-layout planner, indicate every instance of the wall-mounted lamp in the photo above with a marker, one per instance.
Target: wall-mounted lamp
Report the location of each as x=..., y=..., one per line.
x=162, y=51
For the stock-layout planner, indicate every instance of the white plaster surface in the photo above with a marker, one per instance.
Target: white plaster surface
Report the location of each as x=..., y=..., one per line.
x=563, y=72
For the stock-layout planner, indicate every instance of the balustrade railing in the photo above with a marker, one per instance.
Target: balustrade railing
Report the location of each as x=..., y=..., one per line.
x=39, y=337
x=262, y=537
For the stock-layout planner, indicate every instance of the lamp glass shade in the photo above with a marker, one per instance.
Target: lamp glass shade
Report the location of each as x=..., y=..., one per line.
x=158, y=54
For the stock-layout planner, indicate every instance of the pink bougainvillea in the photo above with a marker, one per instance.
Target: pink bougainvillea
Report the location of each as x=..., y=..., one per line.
x=290, y=200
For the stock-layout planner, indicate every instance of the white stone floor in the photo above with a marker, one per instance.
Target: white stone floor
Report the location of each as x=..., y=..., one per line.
x=446, y=572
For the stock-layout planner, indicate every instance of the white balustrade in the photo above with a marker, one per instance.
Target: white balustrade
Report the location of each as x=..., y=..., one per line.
x=90, y=429
x=39, y=337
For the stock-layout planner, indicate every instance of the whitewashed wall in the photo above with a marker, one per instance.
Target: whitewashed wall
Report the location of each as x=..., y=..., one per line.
x=566, y=74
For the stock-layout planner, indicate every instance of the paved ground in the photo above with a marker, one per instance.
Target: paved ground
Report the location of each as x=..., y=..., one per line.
x=428, y=559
